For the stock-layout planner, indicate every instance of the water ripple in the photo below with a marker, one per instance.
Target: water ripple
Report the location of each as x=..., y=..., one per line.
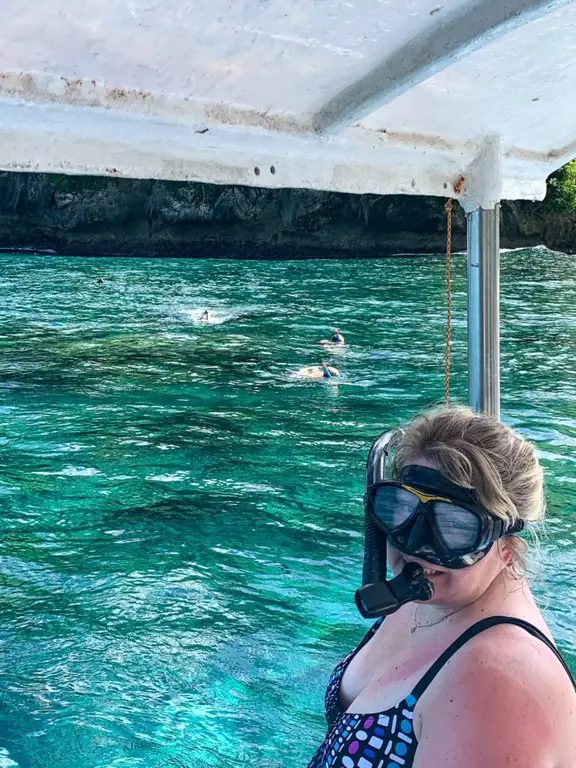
x=182, y=520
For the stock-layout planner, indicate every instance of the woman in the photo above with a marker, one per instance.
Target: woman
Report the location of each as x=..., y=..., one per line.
x=443, y=683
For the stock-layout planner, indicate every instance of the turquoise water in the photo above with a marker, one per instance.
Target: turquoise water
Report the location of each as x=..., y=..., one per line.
x=181, y=519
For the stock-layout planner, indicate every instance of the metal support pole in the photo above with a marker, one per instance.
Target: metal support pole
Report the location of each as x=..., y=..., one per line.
x=484, y=310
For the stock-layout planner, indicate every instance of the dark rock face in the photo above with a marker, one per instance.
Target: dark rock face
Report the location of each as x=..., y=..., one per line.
x=110, y=216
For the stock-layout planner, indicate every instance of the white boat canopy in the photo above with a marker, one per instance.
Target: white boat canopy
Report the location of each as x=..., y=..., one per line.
x=472, y=99
x=357, y=96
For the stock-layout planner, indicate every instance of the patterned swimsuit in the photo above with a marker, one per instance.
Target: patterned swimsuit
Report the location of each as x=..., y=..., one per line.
x=386, y=739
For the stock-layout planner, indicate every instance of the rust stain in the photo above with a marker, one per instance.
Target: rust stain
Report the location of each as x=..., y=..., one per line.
x=22, y=166
x=186, y=170
x=132, y=96
x=531, y=155
x=117, y=93
x=421, y=139
x=76, y=90
x=28, y=84
x=232, y=115
x=458, y=186
x=92, y=93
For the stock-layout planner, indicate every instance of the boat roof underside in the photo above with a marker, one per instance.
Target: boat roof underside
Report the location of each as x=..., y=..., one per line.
x=441, y=97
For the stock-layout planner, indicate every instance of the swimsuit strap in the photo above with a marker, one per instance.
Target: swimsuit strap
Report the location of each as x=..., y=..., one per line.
x=370, y=634
x=474, y=630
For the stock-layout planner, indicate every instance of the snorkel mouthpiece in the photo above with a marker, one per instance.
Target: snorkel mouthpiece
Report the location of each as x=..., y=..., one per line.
x=385, y=597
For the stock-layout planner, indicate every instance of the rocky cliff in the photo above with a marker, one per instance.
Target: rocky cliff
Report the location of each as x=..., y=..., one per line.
x=108, y=216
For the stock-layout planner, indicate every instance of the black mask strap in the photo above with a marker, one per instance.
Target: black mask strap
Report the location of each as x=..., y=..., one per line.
x=516, y=527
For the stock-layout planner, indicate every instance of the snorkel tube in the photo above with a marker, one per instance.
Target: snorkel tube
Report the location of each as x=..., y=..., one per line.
x=377, y=596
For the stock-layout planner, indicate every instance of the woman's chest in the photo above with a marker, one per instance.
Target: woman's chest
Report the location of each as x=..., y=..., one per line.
x=383, y=673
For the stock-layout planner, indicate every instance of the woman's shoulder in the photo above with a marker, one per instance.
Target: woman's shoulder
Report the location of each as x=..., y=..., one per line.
x=509, y=694
x=507, y=653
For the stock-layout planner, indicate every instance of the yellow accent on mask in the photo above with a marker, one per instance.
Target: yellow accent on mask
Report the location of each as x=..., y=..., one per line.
x=424, y=497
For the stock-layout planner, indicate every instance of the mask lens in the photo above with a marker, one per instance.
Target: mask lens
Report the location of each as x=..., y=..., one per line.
x=393, y=506
x=458, y=528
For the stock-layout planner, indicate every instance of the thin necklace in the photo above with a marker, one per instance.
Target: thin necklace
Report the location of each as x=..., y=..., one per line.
x=433, y=623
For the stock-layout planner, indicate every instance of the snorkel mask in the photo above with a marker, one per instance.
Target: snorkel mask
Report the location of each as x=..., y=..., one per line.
x=377, y=596
x=424, y=515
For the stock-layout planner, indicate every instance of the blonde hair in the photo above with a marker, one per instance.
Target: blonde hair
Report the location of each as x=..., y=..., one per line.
x=477, y=451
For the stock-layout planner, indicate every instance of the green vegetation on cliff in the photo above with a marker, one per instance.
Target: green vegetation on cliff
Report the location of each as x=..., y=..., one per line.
x=562, y=188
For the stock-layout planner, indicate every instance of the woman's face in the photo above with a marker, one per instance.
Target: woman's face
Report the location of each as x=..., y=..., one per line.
x=455, y=587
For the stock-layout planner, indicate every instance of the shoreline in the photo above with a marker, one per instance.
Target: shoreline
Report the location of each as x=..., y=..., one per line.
x=240, y=252
x=109, y=217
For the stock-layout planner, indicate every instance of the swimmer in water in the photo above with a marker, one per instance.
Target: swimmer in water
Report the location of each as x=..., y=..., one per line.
x=337, y=338
x=99, y=281
x=326, y=371
x=205, y=316
x=323, y=371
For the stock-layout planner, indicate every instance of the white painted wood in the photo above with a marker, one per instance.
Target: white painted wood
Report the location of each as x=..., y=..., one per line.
x=351, y=95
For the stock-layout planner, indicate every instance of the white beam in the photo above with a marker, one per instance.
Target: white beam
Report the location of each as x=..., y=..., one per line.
x=65, y=139
x=469, y=28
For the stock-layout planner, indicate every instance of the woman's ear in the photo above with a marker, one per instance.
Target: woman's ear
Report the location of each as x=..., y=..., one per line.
x=506, y=549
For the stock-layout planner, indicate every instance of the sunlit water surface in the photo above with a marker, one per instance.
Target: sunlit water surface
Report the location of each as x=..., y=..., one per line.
x=181, y=519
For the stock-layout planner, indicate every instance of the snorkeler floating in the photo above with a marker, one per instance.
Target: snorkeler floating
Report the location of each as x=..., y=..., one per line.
x=337, y=339
x=322, y=371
